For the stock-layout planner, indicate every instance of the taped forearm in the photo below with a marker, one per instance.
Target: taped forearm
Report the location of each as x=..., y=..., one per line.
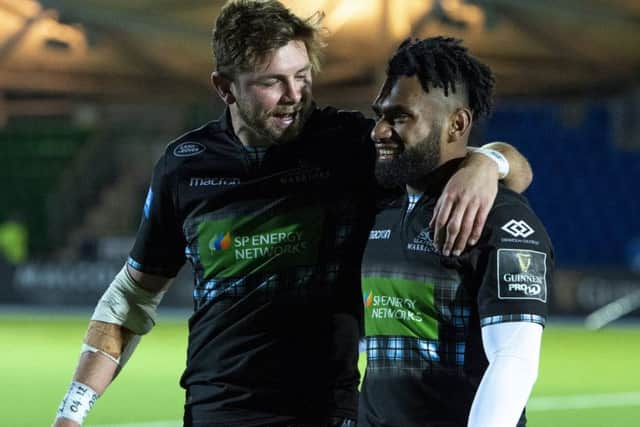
x=93, y=375
x=127, y=304
x=513, y=351
x=124, y=313
x=115, y=342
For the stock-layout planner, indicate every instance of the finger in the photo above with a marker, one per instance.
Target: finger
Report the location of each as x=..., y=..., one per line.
x=442, y=219
x=440, y=238
x=436, y=211
x=466, y=227
x=478, y=225
x=453, y=226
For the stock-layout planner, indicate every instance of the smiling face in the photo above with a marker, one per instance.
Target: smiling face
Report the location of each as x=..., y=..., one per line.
x=270, y=104
x=418, y=130
x=410, y=123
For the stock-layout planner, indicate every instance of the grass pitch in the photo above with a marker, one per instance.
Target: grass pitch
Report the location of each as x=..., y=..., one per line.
x=587, y=379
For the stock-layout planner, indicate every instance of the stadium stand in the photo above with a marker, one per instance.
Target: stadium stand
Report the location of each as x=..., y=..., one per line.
x=585, y=187
x=34, y=158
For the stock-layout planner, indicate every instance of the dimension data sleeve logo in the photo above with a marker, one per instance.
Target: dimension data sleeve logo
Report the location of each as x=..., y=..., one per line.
x=518, y=228
x=522, y=274
x=239, y=246
x=399, y=307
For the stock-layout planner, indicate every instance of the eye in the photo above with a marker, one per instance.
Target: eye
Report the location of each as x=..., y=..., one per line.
x=268, y=82
x=301, y=77
x=400, y=118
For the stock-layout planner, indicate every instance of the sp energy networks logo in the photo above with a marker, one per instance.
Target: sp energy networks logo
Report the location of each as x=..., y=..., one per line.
x=393, y=307
x=367, y=298
x=239, y=246
x=221, y=242
x=522, y=274
x=399, y=307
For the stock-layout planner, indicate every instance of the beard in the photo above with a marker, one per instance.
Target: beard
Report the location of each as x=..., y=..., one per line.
x=413, y=164
x=263, y=127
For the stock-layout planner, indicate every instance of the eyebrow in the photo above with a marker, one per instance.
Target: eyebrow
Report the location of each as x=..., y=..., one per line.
x=390, y=110
x=276, y=75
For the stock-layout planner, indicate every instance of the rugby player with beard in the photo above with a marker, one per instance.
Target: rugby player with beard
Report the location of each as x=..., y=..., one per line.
x=451, y=341
x=271, y=205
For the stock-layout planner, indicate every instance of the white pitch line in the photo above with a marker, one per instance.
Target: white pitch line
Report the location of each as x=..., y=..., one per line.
x=584, y=401
x=536, y=404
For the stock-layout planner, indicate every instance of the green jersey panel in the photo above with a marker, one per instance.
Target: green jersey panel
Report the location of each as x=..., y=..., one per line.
x=394, y=306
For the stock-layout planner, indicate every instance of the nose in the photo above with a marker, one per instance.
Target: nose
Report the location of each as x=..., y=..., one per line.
x=293, y=91
x=381, y=131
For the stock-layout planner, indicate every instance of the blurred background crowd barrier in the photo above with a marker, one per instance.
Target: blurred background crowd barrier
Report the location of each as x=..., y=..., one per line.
x=92, y=91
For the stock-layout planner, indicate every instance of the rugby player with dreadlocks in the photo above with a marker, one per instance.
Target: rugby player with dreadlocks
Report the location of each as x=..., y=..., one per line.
x=451, y=340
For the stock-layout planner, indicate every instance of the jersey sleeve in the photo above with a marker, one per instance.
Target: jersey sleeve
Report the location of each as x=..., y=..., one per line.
x=514, y=263
x=159, y=248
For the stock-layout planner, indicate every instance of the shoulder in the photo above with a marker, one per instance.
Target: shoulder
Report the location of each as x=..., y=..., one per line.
x=194, y=141
x=507, y=199
x=191, y=147
x=513, y=220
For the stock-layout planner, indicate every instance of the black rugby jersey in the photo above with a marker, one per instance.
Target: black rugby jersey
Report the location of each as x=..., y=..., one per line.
x=276, y=248
x=423, y=312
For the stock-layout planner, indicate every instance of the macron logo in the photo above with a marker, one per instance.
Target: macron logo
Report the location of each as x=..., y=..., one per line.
x=518, y=228
x=379, y=234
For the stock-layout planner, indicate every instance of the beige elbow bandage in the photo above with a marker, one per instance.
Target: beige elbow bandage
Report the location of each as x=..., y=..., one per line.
x=115, y=342
x=128, y=304
x=124, y=313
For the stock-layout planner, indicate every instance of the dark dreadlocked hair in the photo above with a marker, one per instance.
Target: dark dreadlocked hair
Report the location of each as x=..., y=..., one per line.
x=444, y=62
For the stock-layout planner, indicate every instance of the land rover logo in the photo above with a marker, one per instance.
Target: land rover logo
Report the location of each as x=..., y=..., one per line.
x=188, y=149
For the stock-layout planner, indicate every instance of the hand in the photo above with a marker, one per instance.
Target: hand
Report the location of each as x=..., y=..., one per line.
x=463, y=206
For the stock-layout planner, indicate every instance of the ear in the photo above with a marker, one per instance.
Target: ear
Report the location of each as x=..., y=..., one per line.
x=459, y=124
x=222, y=85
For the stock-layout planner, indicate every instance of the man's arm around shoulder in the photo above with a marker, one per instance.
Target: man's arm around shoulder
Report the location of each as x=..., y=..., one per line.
x=465, y=202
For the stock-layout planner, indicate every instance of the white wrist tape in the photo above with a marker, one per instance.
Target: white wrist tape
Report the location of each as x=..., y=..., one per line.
x=496, y=156
x=128, y=304
x=77, y=402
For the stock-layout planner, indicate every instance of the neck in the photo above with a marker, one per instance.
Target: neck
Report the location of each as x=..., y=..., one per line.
x=413, y=190
x=247, y=136
x=454, y=150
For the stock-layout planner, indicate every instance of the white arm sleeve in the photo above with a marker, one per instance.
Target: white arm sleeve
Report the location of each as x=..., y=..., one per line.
x=513, y=351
